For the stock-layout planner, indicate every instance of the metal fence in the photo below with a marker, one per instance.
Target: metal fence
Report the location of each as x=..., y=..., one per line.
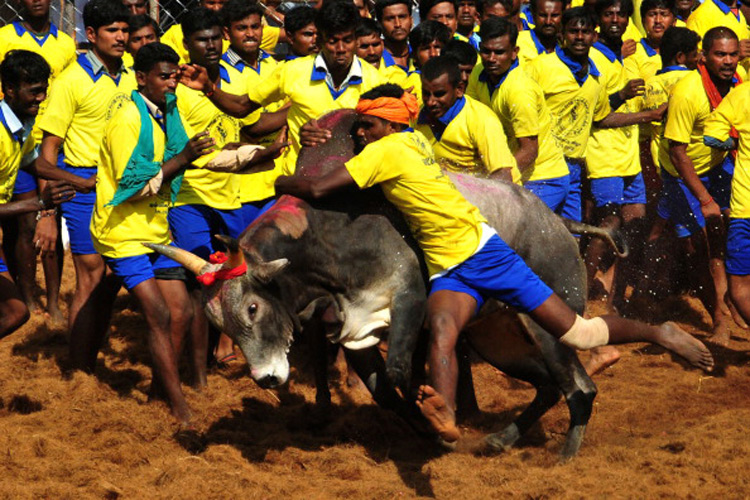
x=66, y=14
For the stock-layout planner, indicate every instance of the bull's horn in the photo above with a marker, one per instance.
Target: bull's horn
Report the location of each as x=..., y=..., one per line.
x=188, y=260
x=235, y=256
x=265, y=271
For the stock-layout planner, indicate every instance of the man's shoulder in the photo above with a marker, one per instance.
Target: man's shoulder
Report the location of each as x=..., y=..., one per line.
x=690, y=84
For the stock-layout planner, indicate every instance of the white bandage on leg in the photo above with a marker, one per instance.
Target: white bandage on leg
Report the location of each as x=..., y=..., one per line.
x=586, y=334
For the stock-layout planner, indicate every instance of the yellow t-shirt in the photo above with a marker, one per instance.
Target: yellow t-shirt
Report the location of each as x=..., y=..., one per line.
x=519, y=103
x=612, y=152
x=57, y=48
x=644, y=63
x=174, y=38
x=445, y=225
x=79, y=106
x=713, y=13
x=529, y=47
x=414, y=82
x=199, y=186
x=393, y=73
x=306, y=88
x=119, y=231
x=473, y=140
x=687, y=112
x=732, y=112
x=236, y=80
x=658, y=88
x=17, y=148
x=574, y=106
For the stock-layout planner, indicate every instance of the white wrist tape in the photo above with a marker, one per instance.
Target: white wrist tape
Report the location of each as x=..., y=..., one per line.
x=233, y=160
x=586, y=334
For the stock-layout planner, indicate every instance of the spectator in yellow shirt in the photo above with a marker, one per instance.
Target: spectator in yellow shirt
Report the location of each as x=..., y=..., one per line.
x=301, y=33
x=141, y=31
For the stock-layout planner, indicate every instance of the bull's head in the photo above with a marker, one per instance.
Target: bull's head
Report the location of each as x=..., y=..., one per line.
x=245, y=306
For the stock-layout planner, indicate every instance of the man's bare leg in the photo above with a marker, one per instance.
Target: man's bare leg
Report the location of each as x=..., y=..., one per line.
x=25, y=253
x=90, y=310
x=447, y=312
x=157, y=312
x=13, y=310
x=198, y=341
x=52, y=264
x=739, y=289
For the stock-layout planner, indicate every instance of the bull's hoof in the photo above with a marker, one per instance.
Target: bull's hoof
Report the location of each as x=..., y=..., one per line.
x=399, y=376
x=573, y=442
x=504, y=440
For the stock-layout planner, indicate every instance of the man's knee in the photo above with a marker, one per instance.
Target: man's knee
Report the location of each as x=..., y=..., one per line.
x=443, y=330
x=15, y=317
x=586, y=334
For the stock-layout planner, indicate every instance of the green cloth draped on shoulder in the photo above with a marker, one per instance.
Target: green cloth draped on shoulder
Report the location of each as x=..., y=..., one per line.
x=141, y=167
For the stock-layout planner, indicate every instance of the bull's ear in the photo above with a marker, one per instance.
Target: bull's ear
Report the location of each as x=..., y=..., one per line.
x=265, y=271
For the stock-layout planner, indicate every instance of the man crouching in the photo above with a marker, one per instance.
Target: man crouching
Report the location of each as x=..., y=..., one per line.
x=142, y=159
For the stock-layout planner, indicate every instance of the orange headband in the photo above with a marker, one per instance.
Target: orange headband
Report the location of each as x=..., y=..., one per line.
x=403, y=110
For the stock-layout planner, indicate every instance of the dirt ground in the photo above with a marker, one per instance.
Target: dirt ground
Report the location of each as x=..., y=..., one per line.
x=659, y=429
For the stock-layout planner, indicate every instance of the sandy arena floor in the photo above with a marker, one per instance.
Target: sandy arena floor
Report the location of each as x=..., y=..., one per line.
x=659, y=429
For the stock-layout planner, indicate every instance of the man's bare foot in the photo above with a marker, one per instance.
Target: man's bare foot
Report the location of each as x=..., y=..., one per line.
x=55, y=318
x=721, y=332
x=441, y=418
x=680, y=342
x=601, y=359
x=736, y=316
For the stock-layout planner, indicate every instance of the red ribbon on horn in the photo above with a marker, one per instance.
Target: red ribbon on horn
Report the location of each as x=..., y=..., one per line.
x=209, y=278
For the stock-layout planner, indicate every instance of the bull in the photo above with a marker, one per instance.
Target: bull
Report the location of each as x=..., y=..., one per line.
x=349, y=267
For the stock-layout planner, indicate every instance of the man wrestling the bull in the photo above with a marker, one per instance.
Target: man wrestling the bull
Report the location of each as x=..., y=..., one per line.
x=467, y=261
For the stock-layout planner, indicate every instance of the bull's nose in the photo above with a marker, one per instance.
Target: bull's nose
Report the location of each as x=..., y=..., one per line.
x=269, y=382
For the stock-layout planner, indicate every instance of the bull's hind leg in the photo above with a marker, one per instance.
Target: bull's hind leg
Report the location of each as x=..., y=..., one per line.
x=568, y=374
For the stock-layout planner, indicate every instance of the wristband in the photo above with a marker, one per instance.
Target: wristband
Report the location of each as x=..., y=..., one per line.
x=707, y=202
x=42, y=206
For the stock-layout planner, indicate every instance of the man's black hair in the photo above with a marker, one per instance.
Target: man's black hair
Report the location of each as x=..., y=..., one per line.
x=483, y=4
x=152, y=54
x=23, y=66
x=426, y=5
x=429, y=31
x=579, y=15
x=648, y=5
x=385, y=90
x=337, y=16
x=461, y=51
x=368, y=27
x=198, y=20
x=298, y=18
x=626, y=6
x=717, y=33
x=381, y=5
x=677, y=40
x=237, y=10
x=140, y=21
x=442, y=65
x=495, y=27
x=98, y=13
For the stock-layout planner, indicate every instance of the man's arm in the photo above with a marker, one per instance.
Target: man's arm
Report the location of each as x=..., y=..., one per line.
x=196, y=78
x=684, y=166
x=45, y=166
x=616, y=120
x=54, y=193
x=528, y=151
x=313, y=188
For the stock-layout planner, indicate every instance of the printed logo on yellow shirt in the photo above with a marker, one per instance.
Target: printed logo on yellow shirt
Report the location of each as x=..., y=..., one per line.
x=224, y=129
x=117, y=102
x=570, y=123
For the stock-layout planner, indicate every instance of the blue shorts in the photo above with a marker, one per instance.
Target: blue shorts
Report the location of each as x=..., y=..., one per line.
x=498, y=272
x=626, y=190
x=738, y=247
x=553, y=192
x=254, y=209
x=3, y=266
x=25, y=182
x=78, y=212
x=194, y=226
x=573, y=207
x=684, y=209
x=139, y=268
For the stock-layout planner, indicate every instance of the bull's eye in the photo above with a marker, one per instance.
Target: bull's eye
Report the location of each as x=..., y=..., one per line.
x=252, y=310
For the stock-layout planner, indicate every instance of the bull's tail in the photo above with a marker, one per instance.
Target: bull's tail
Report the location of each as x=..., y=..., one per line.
x=613, y=237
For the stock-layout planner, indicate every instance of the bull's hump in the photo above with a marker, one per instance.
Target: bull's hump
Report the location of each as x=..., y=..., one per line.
x=288, y=215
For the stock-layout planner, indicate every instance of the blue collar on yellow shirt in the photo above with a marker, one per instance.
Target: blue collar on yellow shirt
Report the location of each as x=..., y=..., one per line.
x=20, y=30
x=526, y=9
x=484, y=77
x=576, y=68
x=608, y=52
x=650, y=51
x=525, y=26
x=439, y=128
x=291, y=57
x=95, y=68
x=233, y=59
x=726, y=9
x=18, y=130
x=390, y=61
x=676, y=67
x=537, y=43
x=320, y=73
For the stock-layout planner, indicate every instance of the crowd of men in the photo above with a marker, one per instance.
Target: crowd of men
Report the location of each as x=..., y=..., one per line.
x=625, y=116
